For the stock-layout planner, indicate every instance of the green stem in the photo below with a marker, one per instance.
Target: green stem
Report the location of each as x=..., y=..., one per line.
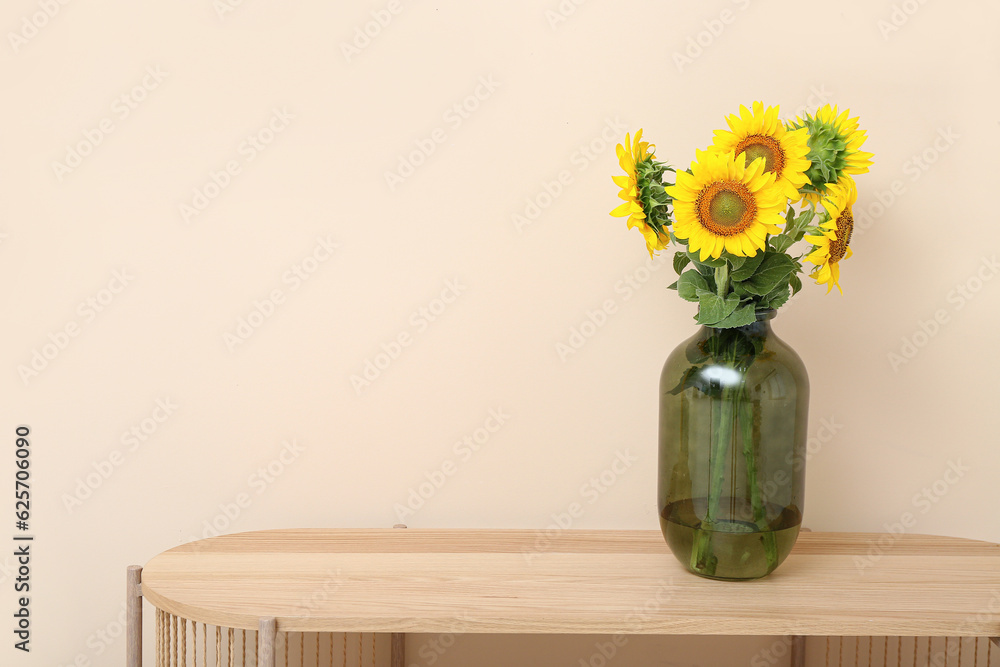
x=722, y=280
x=756, y=499
x=702, y=558
x=722, y=438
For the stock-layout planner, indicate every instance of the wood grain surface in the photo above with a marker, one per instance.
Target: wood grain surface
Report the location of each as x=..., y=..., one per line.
x=573, y=581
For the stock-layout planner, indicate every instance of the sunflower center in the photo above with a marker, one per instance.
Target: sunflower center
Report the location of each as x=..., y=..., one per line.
x=845, y=227
x=761, y=145
x=726, y=208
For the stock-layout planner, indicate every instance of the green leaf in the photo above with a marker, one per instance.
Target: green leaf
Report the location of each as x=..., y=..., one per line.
x=672, y=285
x=680, y=261
x=776, y=297
x=689, y=284
x=738, y=318
x=708, y=261
x=712, y=308
x=748, y=268
x=734, y=261
x=801, y=223
x=781, y=242
x=779, y=297
x=707, y=271
x=795, y=282
x=775, y=268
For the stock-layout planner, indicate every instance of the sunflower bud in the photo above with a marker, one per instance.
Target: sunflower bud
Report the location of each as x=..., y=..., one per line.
x=647, y=205
x=834, y=149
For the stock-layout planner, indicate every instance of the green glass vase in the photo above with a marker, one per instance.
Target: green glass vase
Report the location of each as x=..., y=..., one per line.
x=733, y=410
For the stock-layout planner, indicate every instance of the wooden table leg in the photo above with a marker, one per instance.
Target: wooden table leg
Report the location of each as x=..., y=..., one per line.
x=265, y=642
x=397, y=651
x=798, y=651
x=133, y=614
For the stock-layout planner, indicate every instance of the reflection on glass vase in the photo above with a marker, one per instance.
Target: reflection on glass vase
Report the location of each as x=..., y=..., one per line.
x=733, y=410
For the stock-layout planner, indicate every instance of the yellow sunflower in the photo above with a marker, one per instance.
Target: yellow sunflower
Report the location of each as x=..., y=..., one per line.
x=831, y=246
x=761, y=134
x=725, y=204
x=629, y=156
x=834, y=148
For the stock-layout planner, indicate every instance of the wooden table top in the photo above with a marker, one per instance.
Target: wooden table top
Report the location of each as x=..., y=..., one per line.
x=574, y=581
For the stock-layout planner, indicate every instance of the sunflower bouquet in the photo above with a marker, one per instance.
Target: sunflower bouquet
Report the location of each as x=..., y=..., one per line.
x=733, y=396
x=762, y=186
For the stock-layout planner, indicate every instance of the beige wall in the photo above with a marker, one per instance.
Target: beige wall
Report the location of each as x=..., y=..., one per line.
x=167, y=287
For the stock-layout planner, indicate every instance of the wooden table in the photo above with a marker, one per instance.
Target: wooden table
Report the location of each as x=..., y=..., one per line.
x=572, y=581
